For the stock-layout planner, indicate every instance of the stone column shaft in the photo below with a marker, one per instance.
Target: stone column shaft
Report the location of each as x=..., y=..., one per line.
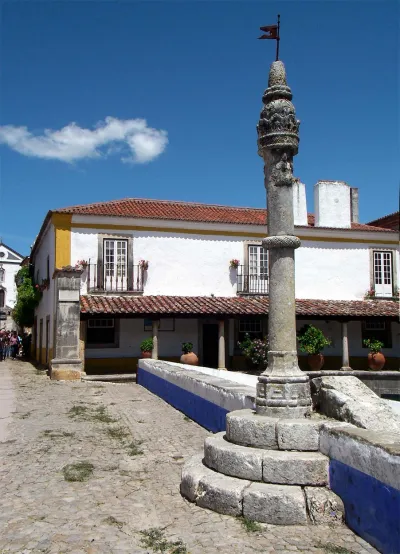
x=283, y=390
x=221, y=344
x=345, y=347
x=154, y=352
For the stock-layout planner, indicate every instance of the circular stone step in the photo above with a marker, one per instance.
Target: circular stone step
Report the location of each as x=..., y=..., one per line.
x=247, y=428
x=263, y=502
x=270, y=466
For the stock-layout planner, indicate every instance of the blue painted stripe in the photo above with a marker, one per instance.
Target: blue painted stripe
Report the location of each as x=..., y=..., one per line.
x=372, y=507
x=205, y=413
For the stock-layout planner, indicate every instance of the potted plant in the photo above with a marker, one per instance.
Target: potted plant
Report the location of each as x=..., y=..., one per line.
x=188, y=357
x=234, y=264
x=312, y=341
x=370, y=294
x=376, y=359
x=255, y=352
x=81, y=264
x=146, y=348
x=144, y=264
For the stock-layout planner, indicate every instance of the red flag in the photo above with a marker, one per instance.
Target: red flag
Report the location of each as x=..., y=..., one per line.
x=272, y=31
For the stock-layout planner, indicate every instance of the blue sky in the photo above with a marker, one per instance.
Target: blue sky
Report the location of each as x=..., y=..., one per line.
x=195, y=73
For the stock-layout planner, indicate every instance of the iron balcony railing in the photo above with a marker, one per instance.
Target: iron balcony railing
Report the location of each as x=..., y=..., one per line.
x=103, y=278
x=251, y=282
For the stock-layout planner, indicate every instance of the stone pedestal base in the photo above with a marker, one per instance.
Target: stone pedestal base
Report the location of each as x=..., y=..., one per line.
x=266, y=469
x=66, y=370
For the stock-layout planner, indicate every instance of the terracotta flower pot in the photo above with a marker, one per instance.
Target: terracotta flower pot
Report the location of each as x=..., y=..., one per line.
x=190, y=359
x=376, y=360
x=315, y=361
x=146, y=353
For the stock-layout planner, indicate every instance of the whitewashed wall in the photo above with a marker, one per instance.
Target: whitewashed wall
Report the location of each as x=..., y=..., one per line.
x=11, y=268
x=47, y=304
x=132, y=333
x=198, y=265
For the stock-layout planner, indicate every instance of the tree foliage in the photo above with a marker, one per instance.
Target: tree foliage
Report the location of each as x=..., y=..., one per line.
x=28, y=297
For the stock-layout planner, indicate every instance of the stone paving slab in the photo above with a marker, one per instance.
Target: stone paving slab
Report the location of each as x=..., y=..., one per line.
x=132, y=488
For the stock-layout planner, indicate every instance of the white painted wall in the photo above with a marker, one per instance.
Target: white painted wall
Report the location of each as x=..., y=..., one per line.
x=132, y=333
x=47, y=304
x=332, y=204
x=198, y=265
x=11, y=268
x=300, y=204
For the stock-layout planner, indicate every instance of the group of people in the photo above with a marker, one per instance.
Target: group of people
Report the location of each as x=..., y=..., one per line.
x=10, y=344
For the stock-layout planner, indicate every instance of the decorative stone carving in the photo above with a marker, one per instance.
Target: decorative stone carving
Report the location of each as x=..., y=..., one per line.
x=284, y=241
x=278, y=126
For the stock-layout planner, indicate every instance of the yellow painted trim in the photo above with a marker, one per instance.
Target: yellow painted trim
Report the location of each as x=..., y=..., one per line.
x=114, y=227
x=62, y=231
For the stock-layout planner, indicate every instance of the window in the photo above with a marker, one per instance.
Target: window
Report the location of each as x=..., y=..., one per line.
x=101, y=333
x=115, y=264
x=2, y=298
x=252, y=327
x=258, y=269
x=379, y=330
x=48, y=268
x=2, y=273
x=383, y=273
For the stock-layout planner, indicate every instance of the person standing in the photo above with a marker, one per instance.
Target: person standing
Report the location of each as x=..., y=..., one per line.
x=14, y=345
x=2, y=346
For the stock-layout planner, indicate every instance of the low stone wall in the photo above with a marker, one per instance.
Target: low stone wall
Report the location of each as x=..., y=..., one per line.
x=364, y=470
x=385, y=384
x=364, y=465
x=200, y=393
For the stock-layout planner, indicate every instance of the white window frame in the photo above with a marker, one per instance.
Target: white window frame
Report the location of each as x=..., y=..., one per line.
x=383, y=272
x=115, y=272
x=258, y=268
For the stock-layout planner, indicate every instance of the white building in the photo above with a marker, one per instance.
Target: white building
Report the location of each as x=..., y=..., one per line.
x=189, y=292
x=10, y=262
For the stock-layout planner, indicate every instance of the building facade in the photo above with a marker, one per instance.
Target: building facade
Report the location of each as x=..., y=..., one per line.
x=10, y=261
x=167, y=270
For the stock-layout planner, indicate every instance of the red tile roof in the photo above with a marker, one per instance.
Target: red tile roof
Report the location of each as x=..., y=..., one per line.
x=183, y=211
x=390, y=221
x=236, y=305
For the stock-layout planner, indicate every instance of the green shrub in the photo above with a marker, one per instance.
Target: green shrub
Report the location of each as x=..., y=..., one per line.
x=187, y=347
x=255, y=350
x=312, y=340
x=146, y=345
x=28, y=297
x=374, y=345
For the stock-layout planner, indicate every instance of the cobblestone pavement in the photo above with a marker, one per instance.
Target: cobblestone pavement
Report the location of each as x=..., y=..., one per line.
x=134, y=486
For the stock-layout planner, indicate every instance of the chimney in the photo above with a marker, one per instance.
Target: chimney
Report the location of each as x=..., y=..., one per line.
x=299, y=203
x=354, y=205
x=332, y=204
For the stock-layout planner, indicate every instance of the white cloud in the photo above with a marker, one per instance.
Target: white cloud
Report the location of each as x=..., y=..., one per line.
x=72, y=143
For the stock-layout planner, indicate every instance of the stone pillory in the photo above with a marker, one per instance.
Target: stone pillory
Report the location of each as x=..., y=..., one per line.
x=283, y=390
x=266, y=466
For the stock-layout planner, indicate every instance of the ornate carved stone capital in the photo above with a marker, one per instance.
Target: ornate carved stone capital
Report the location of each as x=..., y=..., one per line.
x=278, y=126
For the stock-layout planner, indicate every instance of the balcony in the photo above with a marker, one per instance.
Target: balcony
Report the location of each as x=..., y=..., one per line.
x=250, y=282
x=102, y=279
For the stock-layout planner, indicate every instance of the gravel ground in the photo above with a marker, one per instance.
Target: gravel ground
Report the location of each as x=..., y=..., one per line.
x=127, y=446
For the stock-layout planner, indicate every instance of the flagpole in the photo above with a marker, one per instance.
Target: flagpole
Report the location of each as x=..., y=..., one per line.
x=278, y=38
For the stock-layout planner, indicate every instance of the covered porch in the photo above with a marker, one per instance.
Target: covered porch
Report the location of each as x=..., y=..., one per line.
x=112, y=328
